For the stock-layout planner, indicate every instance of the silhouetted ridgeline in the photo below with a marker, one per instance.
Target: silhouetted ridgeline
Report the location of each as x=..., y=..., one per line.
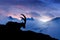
x=35, y=36
x=15, y=27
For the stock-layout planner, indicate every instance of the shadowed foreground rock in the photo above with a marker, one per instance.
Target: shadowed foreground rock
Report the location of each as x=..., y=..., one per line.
x=14, y=27
x=29, y=35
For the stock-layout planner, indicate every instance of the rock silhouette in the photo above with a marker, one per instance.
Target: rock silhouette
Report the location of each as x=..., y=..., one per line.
x=15, y=27
x=29, y=35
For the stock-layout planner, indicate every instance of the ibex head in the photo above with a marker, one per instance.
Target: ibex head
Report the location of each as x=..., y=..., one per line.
x=24, y=18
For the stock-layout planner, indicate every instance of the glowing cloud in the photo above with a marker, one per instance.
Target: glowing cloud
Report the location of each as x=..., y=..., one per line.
x=45, y=18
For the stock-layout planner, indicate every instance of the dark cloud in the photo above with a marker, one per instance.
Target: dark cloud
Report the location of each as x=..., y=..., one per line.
x=34, y=14
x=56, y=1
x=49, y=14
x=21, y=2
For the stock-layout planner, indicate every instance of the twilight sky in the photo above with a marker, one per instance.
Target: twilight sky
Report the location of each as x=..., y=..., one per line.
x=34, y=8
x=31, y=8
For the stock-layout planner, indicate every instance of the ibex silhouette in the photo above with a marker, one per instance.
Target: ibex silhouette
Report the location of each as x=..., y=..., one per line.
x=13, y=26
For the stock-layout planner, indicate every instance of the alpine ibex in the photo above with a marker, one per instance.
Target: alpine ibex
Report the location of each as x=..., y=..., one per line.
x=13, y=26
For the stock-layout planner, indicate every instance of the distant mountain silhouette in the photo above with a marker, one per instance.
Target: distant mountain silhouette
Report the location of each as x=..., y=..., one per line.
x=56, y=19
x=30, y=18
x=54, y=27
x=11, y=18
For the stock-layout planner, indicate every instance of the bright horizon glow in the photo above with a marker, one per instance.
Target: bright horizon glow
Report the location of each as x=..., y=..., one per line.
x=15, y=16
x=45, y=19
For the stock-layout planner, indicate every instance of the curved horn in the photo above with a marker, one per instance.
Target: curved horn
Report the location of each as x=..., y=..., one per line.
x=24, y=17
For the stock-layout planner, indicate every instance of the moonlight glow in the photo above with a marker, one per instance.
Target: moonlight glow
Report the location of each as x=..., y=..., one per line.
x=45, y=19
